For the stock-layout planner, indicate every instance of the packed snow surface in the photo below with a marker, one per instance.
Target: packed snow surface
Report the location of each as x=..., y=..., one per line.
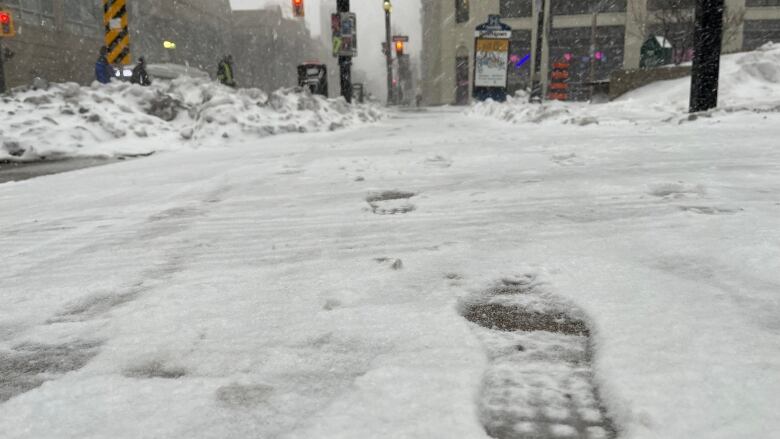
x=311, y=286
x=121, y=119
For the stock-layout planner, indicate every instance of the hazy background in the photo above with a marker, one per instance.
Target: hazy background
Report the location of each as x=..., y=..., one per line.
x=371, y=31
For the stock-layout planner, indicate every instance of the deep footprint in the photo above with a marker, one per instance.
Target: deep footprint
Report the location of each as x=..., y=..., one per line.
x=539, y=383
x=390, y=202
x=155, y=369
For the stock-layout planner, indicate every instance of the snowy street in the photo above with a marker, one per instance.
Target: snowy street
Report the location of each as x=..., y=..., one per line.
x=313, y=285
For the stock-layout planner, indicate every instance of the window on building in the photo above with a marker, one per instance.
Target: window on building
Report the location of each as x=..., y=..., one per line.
x=12, y=5
x=35, y=12
x=579, y=7
x=47, y=7
x=519, y=61
x=83, y=17
x=573, y=46
x=759, y=32
x=515, y=8
x=670, y=5
x=461, y=11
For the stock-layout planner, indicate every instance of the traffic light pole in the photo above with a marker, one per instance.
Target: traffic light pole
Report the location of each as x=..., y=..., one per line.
x=707, y=40
x=345, y=62
x=2, y=67
x=389, y=58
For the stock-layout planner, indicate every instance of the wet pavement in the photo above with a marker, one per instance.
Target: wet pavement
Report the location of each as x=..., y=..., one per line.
x=15, y=171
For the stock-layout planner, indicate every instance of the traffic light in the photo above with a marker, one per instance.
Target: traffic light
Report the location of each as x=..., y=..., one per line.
x=399, y=48
x=6, y=24
x=297, y=8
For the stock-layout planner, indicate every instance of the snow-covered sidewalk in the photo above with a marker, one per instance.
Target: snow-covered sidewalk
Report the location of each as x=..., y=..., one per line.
x=256, y=291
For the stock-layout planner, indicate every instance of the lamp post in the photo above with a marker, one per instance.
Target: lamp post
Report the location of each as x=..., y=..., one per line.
x=388, y=7
x=539, y=60
x=345, y=62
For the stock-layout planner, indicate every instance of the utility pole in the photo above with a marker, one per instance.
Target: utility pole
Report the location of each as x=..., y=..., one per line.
x=2, y=67
x=540, y=61
x=388, y=7
x=345, y=62
x=707, y=40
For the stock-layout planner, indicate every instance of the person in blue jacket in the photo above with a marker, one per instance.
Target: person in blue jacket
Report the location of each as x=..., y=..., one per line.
x=103, y=70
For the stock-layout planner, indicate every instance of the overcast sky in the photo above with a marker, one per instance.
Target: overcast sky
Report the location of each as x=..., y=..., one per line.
x=370, y=16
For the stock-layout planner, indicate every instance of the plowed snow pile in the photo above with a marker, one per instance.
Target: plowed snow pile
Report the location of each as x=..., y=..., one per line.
x=122, y=119
x=749, y=81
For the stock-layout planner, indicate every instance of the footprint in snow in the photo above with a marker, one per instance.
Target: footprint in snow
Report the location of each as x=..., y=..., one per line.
x=539, y=382
x=391, y=202
x=676, y=190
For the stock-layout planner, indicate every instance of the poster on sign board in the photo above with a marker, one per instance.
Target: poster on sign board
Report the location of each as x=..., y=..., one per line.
x=491, y=62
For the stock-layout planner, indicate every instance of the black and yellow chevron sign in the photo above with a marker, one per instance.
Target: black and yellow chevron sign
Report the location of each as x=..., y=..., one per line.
x=117, y=35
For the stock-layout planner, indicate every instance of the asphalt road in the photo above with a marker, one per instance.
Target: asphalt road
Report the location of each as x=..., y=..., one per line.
x=11, y=171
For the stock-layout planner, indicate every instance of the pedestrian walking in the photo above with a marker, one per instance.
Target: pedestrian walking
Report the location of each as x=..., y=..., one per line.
x=140, y=76
x=103, y=70
x=225, y=71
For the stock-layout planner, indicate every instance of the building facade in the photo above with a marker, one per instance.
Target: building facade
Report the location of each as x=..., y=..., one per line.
x=201, y=30
x=268, y=47
x=622, y=27
x=58, y=40
x=54, y=39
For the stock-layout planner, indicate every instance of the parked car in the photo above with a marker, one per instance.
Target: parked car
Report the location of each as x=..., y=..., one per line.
x=161, y=71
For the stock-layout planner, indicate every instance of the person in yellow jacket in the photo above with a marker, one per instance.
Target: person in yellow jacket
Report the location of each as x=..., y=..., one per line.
x=225, y=71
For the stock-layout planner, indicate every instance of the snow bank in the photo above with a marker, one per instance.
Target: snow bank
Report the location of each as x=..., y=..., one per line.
x=748, y=82
x=122, y=119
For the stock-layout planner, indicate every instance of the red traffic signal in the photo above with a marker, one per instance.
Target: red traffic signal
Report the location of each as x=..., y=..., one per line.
x=297, y=8
x=6, y=24
x=399, y=47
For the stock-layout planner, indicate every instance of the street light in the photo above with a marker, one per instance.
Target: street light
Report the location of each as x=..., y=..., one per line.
x=388, y=7
x=345, y=62
x=171, y=54
x=542, y=23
